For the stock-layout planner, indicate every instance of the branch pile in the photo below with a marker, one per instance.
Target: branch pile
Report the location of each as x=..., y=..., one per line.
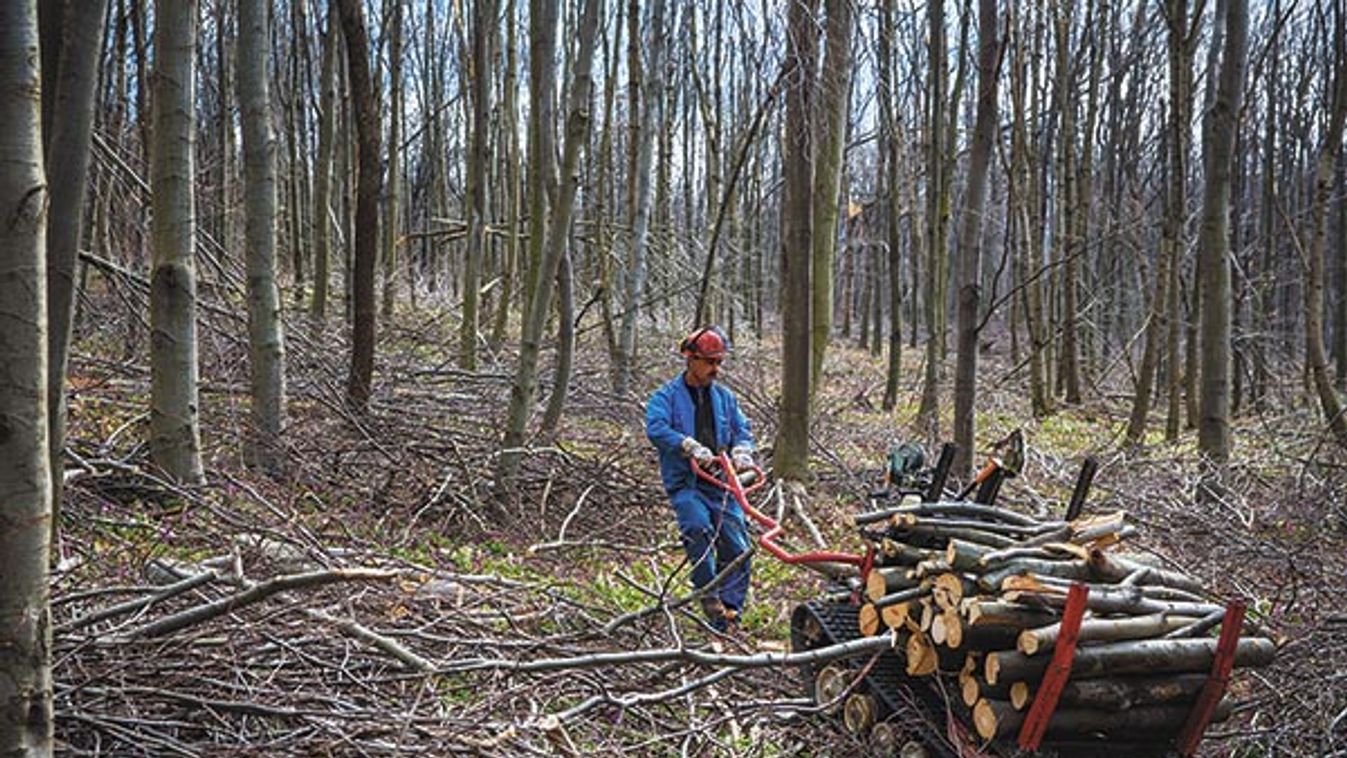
x=976, y=593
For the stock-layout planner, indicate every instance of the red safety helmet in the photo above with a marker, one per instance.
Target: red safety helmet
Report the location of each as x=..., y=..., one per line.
x=707, y=342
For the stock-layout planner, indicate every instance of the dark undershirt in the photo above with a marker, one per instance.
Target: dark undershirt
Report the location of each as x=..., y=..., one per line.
x=705, y=416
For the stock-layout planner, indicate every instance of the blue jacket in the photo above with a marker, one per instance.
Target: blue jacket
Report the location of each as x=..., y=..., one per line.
x=670, y=417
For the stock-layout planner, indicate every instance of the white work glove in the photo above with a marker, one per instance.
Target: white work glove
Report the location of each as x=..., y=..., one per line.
x=742, y=456
x=697, y=452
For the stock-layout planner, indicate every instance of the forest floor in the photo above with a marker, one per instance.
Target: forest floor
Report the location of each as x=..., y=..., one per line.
x=377, y=599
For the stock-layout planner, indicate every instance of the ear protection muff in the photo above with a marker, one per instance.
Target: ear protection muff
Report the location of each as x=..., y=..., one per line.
x=709, y=341
x=688, y=347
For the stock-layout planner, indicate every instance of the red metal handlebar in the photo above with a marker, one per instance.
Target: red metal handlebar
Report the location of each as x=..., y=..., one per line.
x=732, y=484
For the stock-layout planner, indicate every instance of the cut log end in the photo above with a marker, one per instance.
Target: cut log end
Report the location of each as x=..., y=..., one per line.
x=895, y=616
x=829, y=684
x=968, y=689
x=1027, y=642
x=953, y=629
x=868, y=620
x=984, y=720
x=859, y=713
x=922, y=659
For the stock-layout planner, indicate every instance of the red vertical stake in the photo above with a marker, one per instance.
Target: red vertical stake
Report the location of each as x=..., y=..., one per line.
x=1059, y=670
x=1214, y=689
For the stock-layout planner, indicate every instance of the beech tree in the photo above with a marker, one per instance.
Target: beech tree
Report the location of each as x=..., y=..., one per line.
x=542, y=23
x=266, y=340
x=26, y=718
x=791, y=459
x=322, y=169
x=175, y=435
x=369, y=179
x=969, y=243
x=70, y=86
x=830, y=125
x=1316, y=356
x=646, y=87
x=1214, y=241
x=483, y=52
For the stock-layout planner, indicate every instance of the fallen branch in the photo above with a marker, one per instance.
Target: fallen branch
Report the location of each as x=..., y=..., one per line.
x=201, y=613
x=662, y=655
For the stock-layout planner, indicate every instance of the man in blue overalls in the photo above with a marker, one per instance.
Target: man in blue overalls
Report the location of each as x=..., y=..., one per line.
x=691, y=419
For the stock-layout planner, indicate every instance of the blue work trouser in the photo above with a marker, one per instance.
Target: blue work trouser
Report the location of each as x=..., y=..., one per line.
x=714, y=534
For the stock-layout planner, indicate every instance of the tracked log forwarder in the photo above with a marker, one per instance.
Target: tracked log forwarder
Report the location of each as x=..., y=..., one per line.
x=1009, y=635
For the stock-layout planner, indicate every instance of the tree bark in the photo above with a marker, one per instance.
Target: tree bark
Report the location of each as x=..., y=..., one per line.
x=479, y=154
x=368, y=181
x=392, y=210
x=322, y=169
x=26, y=713
x=1135, y=657
x=1340, y=253
x=888, y=124
x=542, y=20
x=561, y=379
x=928, y=417
x=995, y=718
x=1315, y=354
x=1065, y=244
x=970, y=232
x=266, y=340
x=1022, y=210
x=831, y=128
x=1213, y=439
x=175, y=436
x=797, y=157
x=513, y=189
x=67, y=164
x=648, y=87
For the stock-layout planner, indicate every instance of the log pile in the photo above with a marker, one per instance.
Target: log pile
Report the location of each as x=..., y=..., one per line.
x=976, y=594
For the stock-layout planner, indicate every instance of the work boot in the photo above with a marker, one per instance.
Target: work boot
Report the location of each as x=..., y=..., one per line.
x=734, y=632
x=715, y=613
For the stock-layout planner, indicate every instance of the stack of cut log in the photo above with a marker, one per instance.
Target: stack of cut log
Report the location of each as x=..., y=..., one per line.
x=976, y=593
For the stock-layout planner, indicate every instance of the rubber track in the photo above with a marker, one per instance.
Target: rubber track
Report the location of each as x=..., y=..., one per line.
x=915, y=704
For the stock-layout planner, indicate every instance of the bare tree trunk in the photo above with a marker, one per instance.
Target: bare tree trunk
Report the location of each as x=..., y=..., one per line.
x=888, y=124
x=969, y=244
x=175, y=435
x=648, y=87
x=67, y=162
x=542, y=19
x=479, y=154
x=1214, y=241
x=1021, y=210
x=1314, y=285
x=797, y=158
x=393, y=210
x=298, y=157
x=561, y=379
x=26, y=714
x=602, y=208
x=928, y=417
x=322, y=169
x=513, y=188
x=866, y=275
x=1065, y=244
x=1340, y=252
x=368, y=181
x=266, y=341
x=1150, y=354
x=1180, y=56
x=225, y=176
x=831, y=128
